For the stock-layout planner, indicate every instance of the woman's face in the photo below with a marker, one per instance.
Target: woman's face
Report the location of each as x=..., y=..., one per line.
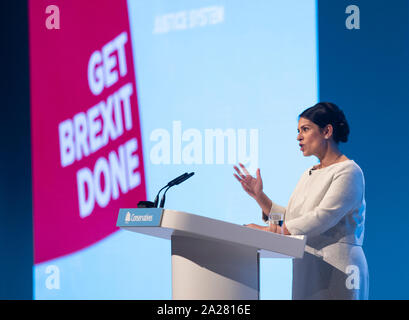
x=312, y=139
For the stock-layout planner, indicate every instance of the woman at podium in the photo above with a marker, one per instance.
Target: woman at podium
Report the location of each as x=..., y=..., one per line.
x=327, y=205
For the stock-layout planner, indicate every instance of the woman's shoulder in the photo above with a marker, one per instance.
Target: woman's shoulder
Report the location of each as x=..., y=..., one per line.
x=348, y=167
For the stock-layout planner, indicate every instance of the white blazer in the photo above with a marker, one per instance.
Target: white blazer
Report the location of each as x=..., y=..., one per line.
x=328, y=205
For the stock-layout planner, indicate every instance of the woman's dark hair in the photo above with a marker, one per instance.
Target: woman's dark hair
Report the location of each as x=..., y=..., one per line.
x=324, y=113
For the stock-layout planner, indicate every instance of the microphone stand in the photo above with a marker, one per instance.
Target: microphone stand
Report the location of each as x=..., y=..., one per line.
x=155, y=203
x=162, y=201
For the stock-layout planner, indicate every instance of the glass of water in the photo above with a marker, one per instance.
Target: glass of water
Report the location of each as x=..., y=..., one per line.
x=275, y=219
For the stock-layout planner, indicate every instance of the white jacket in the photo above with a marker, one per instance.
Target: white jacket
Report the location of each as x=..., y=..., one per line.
x=328, y=205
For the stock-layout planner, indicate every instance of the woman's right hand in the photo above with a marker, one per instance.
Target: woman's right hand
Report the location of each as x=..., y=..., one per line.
x=253, y=186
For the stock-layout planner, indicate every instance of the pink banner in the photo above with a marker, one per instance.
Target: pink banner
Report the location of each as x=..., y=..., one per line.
x=86, y=138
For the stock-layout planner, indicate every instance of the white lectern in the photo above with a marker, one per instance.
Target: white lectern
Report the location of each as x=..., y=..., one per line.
x=211, y=259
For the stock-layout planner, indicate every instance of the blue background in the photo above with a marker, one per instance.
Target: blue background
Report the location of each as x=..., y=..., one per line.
x=366, y=72
x=363, y=71
x=16, y=229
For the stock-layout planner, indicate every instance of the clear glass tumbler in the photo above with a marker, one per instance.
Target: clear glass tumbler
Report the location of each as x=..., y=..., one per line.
x=275, y=219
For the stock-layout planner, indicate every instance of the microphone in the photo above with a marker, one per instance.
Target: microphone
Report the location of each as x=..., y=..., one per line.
x=180, y=179
x=172, y=183
x=313, y=168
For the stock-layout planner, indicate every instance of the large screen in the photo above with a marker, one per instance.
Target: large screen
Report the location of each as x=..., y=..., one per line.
x=127, y=95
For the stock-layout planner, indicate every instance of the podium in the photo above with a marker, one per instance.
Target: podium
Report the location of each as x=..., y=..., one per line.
x=211, y=259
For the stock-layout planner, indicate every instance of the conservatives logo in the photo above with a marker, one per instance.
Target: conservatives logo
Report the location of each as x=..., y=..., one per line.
x=131, y=217
x=128, y=217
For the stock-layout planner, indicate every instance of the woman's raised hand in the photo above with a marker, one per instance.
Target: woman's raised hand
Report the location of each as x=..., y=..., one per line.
x=253, y=186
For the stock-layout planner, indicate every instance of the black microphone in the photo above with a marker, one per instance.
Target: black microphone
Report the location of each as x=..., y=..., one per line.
x=176, y=181
x=172, y=183
x=313, y=168
x=179, y=179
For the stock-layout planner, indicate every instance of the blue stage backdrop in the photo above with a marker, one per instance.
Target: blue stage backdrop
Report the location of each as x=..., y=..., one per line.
x=366, y=72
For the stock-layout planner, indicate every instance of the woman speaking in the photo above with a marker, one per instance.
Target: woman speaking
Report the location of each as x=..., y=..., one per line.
x=327, y=205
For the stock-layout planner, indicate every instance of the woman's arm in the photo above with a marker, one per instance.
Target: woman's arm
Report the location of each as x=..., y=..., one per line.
x=272, y=228
x=265, y=204
x=254, y=188
x=271, y=208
